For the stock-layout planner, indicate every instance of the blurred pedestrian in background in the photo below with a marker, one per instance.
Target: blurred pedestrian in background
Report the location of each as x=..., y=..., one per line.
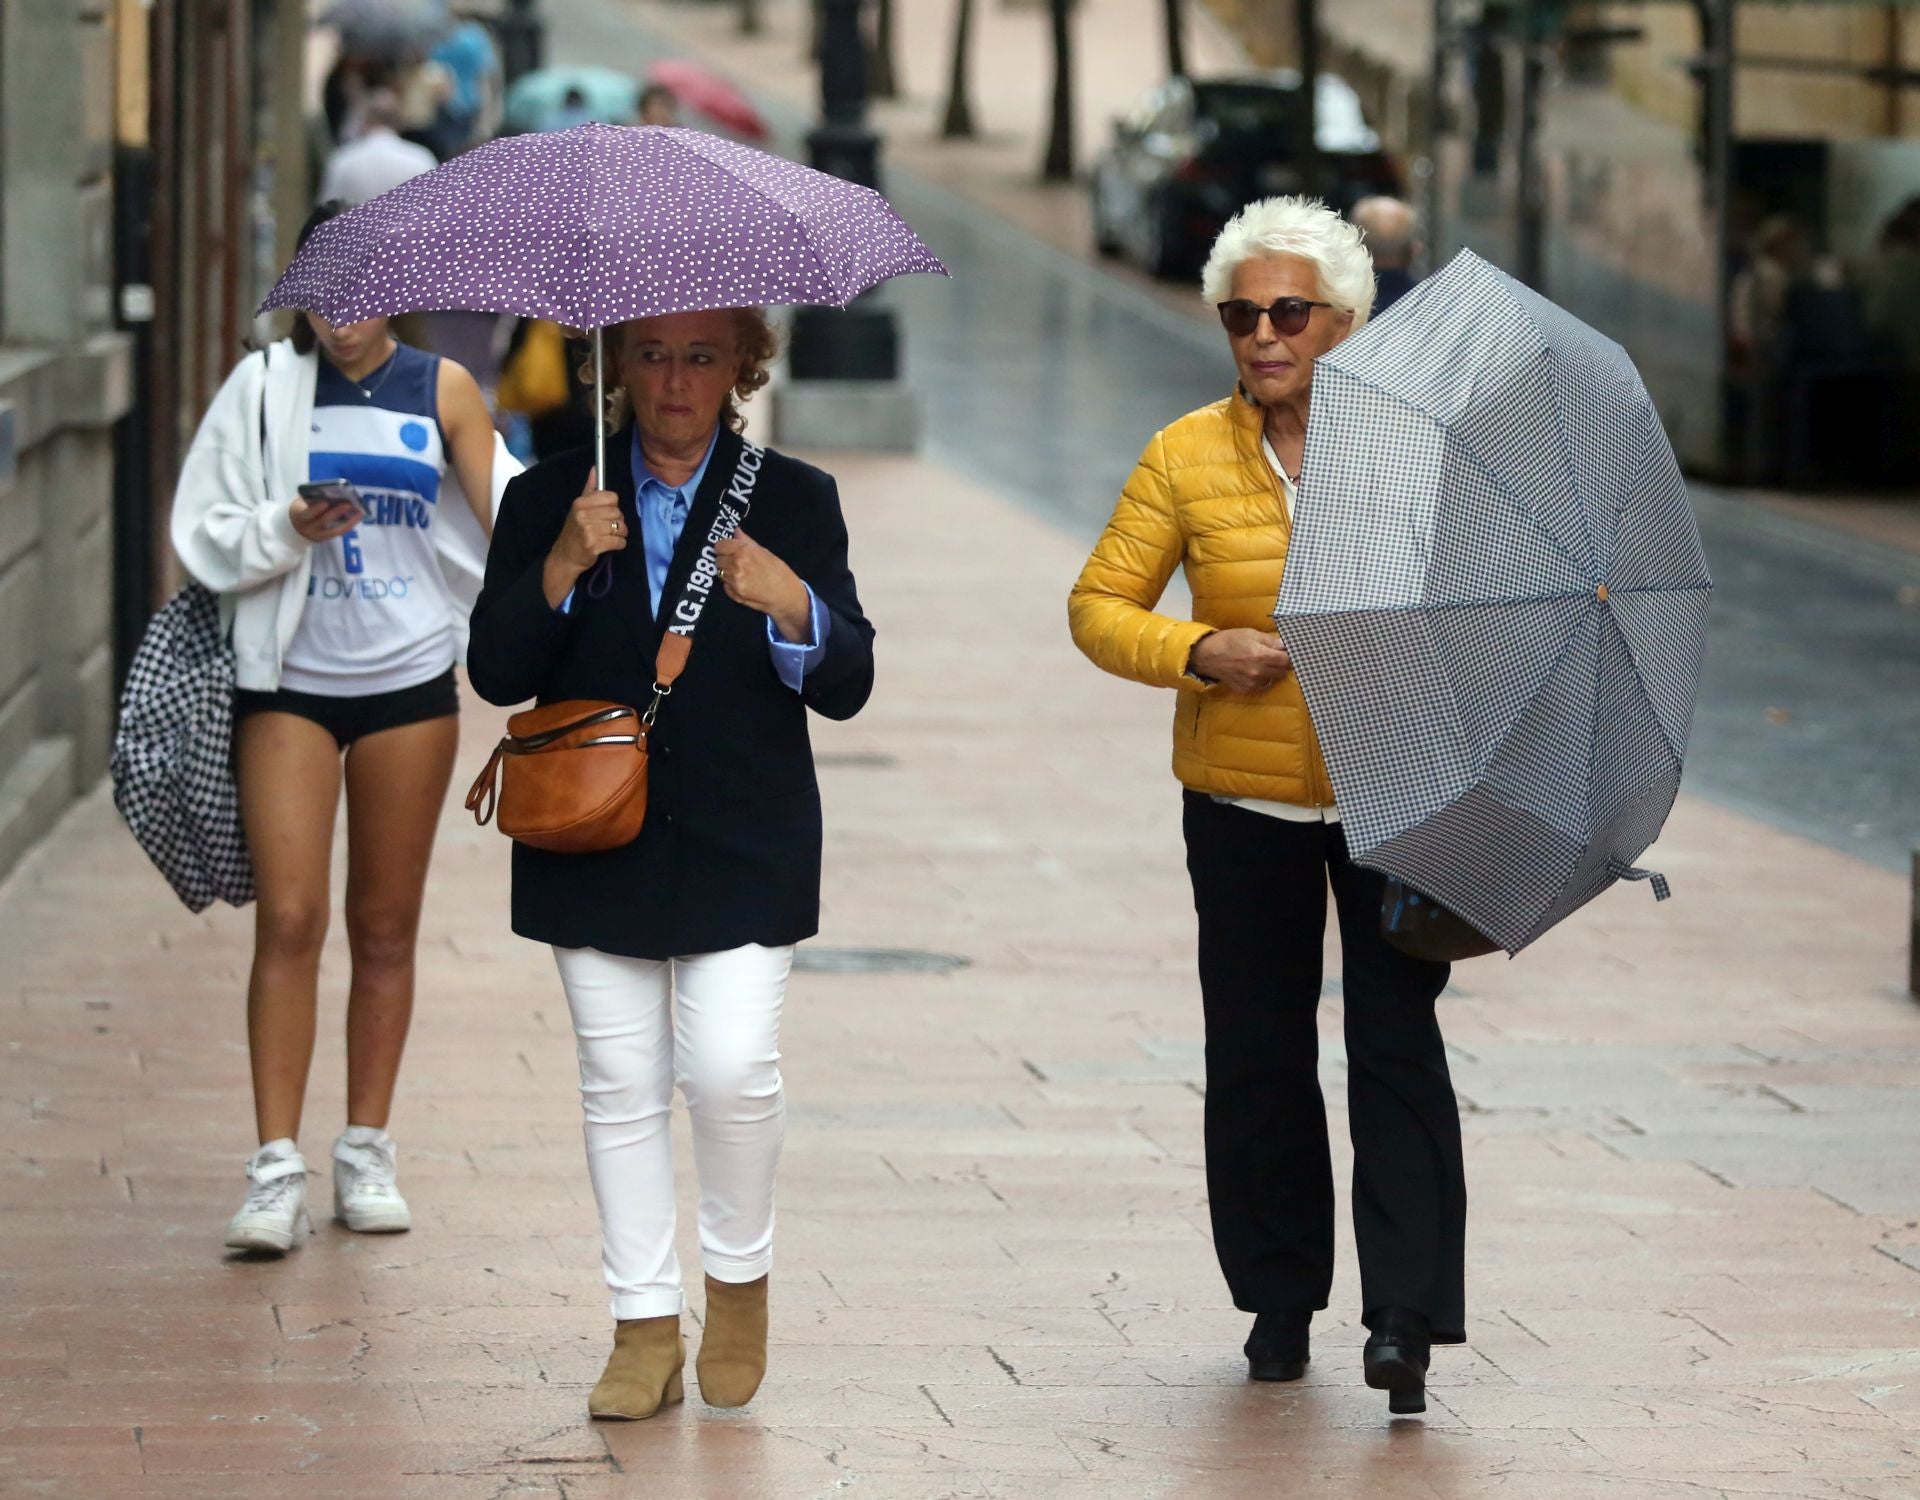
x=1392, y=229
x=377, y=158
x=541, y=383
x=1892, y=287
x=659, y=105
x=345, y=629
x=1781, y=255
x=575, y=109
x=470, y=112
x=1214, y=494
x=674, y=950
x=1809, y=390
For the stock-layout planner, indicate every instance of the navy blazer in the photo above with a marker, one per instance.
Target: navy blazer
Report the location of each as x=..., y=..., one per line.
x=730, y=853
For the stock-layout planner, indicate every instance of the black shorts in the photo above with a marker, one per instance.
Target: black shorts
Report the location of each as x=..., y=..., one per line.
x=348, y=719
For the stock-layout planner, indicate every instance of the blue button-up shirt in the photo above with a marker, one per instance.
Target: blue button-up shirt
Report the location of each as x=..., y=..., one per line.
x=663, y=516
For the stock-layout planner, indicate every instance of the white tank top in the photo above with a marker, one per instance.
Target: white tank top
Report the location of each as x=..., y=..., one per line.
x=378, y=615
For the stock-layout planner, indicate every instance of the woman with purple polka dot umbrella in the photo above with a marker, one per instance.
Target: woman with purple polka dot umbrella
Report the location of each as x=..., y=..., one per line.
x=599, y=225
x=673, y=947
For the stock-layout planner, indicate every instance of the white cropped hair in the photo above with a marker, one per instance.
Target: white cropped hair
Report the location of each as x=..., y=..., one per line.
x=1305, y=227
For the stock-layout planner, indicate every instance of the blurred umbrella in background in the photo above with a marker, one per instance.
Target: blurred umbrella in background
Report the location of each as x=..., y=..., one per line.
x=706, y=92
x=389, y=30
x=560, y=98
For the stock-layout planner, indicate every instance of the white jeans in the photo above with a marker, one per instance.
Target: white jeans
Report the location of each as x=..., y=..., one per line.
x=711, y=1022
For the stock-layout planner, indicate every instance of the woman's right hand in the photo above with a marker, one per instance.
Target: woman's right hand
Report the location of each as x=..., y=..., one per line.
x=322, y=523
x=594, y=525
x=1242, y=661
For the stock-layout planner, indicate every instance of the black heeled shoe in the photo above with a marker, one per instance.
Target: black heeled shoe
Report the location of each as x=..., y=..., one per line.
x=1277, y=1347
x=1398, y=1351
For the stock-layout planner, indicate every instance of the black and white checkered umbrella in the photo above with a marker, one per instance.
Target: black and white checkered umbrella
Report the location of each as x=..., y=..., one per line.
x=1495, y=597
x=172, y=760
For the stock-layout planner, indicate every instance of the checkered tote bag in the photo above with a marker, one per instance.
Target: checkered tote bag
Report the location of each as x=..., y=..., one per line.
x=172, y=754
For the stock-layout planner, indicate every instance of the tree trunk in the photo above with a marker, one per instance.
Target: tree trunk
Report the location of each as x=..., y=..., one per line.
x=958, y=124
x=883, y=78
x=1530, y=240
x=750, y=17
x=1176, y=38
x=1058, y=166
x=1307, y=17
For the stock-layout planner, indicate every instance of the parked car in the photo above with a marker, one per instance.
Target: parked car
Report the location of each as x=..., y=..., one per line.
x=1196, y=151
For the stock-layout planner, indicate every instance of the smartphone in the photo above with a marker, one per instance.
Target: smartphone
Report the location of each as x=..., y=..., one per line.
x=335, y=498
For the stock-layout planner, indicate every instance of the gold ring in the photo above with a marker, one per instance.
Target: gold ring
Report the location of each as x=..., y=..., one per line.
x=616, y=527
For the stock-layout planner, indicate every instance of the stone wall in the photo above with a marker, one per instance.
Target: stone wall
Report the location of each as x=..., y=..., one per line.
x=64, y=381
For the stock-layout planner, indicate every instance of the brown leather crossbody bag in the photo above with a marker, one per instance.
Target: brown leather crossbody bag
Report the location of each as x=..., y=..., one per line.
x=571, y=777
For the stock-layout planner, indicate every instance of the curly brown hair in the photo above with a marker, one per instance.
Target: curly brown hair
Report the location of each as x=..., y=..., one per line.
x=755, y=340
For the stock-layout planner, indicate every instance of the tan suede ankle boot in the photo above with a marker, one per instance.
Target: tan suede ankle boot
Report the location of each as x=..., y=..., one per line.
x=733, y=1351
x=643, y=1372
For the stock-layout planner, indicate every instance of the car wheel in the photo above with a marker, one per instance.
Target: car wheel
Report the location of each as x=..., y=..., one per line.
x=1164, y=257
x=1105, y=241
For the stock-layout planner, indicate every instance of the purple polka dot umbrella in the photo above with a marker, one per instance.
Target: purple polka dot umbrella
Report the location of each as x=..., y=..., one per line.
x=600, y=224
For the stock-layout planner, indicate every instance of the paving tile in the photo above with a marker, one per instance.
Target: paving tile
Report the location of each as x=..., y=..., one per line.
x=995, y=1275
x=88, y=1450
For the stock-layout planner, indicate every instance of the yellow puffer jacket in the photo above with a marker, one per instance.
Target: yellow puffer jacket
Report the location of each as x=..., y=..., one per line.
x=1204, y=497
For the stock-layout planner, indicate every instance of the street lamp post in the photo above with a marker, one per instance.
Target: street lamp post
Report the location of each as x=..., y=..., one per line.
x=522, y=38
x=1435, y=248
x=862, y=342
x=845, y=364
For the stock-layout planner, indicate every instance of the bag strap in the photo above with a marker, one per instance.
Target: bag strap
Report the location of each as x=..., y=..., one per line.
x=677, y=644
x=483, y=791
x=266, y=469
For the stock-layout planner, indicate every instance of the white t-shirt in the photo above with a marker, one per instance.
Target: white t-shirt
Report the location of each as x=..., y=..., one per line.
x=367, y=167
x=379, y=616
x=1287, y=812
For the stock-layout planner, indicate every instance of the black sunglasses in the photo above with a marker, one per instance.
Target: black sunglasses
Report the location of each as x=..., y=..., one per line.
x=1290, y=314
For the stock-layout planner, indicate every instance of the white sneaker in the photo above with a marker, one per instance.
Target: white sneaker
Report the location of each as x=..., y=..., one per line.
x=275, y=1213
x=364, y=1197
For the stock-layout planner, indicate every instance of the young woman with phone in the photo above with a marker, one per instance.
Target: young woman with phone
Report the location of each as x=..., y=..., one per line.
x=318, y=502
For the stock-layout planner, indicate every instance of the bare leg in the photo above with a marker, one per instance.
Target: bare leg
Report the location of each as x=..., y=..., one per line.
x=396, y=787
x=289, y=773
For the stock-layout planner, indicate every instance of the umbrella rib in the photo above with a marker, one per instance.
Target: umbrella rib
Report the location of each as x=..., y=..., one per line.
x=1479, y=463
x=1640, y=676
x=1510, y=290
x=1558, y=662
x=1401, y=609
x=806, y=229
x=1566, y=649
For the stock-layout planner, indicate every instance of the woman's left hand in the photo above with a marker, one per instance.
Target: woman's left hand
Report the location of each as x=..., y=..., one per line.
x=756, y=578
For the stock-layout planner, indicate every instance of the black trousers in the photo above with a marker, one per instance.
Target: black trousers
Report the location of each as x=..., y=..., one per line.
x=1260, y=888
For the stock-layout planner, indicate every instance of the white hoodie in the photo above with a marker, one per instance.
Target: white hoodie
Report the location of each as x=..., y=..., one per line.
x=233, y=512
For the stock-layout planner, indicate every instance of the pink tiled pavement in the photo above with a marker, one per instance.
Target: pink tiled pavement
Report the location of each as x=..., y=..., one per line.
x=1694, y=1264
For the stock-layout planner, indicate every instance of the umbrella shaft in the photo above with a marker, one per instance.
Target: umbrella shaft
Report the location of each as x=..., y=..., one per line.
x=600, y=407
x=601, y=578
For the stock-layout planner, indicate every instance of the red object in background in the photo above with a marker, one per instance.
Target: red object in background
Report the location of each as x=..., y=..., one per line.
x=712, y=96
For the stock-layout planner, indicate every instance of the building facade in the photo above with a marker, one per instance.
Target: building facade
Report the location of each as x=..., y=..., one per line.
x=151, y=152
x=65, y=382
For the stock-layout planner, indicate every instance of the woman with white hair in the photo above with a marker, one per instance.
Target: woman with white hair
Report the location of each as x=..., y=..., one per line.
x=1214, y=493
